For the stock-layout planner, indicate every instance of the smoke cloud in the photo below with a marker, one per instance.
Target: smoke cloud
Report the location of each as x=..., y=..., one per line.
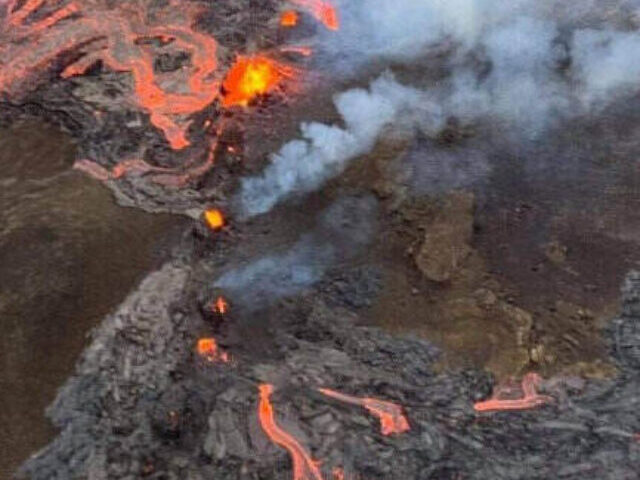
x=343, y=229
x=544, y=59
x=607, y=62
x=324, y=150
x=524, y=64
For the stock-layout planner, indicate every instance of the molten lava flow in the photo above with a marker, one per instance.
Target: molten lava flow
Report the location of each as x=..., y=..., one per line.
x=92, y=169
x=530, y=399
x=250, y=77
x=304, y=468
x=392, y=420
x=289, y=18
x=137, y=166
x=114, y=36
x=299, y=49
x=214, y=218
x=220, y=306
x=322, y=10
x=208, y=349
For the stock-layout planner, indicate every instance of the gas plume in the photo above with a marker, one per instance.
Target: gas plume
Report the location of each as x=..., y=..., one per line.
x=304, y=164
x=343, y=229
x=523, y=65
x=534, y=61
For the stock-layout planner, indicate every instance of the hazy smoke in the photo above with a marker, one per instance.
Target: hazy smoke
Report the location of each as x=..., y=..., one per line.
x=607, y=62
x=525, y=64
x=405, y=29
x=540, y=59
x=432, y=170
x=343, y=229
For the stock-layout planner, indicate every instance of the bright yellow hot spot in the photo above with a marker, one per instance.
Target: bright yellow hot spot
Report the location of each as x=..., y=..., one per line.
x=214, y=218
x=249, y=77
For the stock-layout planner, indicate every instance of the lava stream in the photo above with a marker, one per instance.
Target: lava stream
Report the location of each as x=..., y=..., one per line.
x=530, y=399
x=304, y=468
x=392, y=420
x=322, y=10
x=114, y=37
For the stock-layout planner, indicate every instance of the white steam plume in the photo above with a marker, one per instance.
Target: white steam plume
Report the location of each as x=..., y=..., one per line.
x=607, y=62
x=523, y=63
x=303, y=165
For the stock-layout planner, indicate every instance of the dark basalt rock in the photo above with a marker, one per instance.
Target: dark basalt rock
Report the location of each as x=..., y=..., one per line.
x=625, y=330
x=142, y=405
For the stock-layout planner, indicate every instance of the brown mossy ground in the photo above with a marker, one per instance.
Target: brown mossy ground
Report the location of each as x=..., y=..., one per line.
x=444, y=281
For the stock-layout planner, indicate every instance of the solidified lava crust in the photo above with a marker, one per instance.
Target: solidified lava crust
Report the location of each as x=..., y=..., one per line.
x=142, y=401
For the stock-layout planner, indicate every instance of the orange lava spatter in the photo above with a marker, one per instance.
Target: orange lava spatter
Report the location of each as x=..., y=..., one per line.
x=322, y=10
x=250, y=77
x=114, y=36
x=392, y=420
x=214, y=218
x=220, y=306
x=289, y=18
x=208, y=349
x=304, y=468
x=530, y=397
x=36, y=35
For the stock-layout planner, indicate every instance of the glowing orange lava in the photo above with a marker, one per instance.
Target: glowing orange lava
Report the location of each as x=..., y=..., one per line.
x=530, y=399
x=250, y=77
x=36, y=35
x=304, y=468
x=92, y=169
x=392, y=420
x=289, y=18
x=214, y=218
x=220, y=306
x=114, y=36
x=299, y=49
x=208, y=349
x=322, y=10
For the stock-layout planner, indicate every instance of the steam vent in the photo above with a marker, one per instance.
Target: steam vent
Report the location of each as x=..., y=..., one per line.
x=320, y=240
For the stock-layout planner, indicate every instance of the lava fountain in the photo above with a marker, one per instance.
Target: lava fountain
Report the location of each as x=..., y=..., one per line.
x=116, y=37
x=250, y=77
